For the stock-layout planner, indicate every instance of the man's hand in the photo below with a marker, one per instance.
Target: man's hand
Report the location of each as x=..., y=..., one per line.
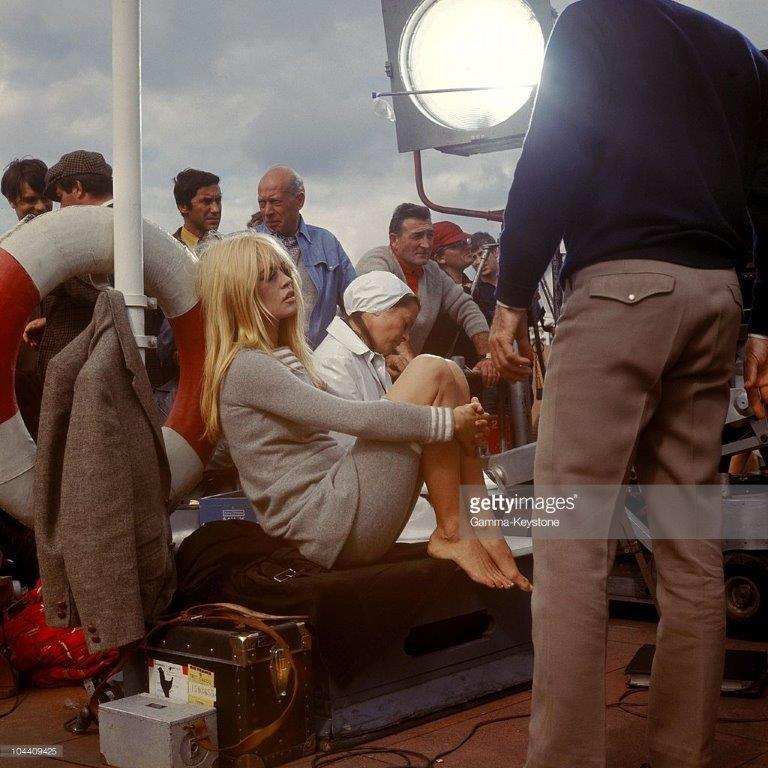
x=509, y=326
x=485, y=366
x=33, y=333
x=487, y=370
x=756, y=374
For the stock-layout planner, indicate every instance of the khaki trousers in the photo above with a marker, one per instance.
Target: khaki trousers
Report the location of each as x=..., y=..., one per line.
x=638, y=376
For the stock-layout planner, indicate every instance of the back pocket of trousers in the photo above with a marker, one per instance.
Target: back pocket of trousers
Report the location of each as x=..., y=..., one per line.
x=630, y=287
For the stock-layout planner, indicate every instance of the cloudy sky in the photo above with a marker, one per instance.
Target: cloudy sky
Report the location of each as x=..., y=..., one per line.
x=236, y=86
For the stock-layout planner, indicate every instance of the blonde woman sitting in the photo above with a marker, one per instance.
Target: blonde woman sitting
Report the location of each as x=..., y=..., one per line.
x=339, y=507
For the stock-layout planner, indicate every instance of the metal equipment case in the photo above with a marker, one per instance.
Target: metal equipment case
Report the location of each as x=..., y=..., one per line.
x=160, y=726
x=241, y=672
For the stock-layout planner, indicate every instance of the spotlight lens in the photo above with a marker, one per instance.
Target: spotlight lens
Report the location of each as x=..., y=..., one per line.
x=495, y=44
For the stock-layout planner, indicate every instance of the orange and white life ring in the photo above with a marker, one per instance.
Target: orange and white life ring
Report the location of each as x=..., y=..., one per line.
x=36, y=257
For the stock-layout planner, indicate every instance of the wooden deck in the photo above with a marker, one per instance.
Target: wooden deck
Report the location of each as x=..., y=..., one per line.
x=40, y=715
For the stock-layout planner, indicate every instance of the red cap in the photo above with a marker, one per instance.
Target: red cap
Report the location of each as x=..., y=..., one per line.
x=447, y=233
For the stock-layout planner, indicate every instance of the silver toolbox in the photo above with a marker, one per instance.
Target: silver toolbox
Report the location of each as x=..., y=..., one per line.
x=144, y=731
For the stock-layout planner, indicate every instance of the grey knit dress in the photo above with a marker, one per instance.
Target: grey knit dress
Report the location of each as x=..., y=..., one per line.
x=304, y=487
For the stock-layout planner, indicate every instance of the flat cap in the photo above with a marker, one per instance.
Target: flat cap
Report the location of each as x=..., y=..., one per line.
x=77, y=163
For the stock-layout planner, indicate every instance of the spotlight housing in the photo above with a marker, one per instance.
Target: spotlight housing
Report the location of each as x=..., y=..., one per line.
x=466, y=71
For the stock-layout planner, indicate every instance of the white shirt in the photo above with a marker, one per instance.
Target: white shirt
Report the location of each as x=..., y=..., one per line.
x=350, y=369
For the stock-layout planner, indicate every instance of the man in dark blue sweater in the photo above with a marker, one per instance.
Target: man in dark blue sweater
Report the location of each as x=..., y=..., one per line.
x=648, y=155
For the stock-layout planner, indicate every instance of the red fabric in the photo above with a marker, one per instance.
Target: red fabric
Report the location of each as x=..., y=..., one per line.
x=50, y=656
x=412, y=275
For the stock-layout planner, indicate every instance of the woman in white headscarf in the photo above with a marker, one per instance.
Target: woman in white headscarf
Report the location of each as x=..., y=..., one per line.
x=380, y=310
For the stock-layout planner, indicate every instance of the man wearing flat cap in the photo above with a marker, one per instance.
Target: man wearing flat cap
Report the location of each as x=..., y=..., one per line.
x=79, y=178
x=408, y=256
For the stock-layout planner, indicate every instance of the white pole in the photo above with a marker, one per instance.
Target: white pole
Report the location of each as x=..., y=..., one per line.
x=126, y=147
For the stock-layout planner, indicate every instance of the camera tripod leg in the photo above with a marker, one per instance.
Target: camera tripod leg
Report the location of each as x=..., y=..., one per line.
x=631, y=545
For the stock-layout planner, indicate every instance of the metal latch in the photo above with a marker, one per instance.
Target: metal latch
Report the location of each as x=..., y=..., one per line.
x=285, y=575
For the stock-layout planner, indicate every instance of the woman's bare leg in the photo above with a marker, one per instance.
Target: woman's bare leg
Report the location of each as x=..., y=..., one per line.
x=429, y=380
x=472, y=474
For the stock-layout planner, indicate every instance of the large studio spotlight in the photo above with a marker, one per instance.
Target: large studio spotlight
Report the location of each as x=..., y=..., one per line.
x=464, y=72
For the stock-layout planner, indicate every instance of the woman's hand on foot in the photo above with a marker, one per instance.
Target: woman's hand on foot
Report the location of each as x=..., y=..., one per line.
x=470, y=425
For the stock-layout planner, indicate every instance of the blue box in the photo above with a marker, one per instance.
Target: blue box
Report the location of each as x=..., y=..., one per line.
x=226, y=506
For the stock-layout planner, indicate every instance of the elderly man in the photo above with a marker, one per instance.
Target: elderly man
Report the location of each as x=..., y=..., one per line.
x=23, y=186
x=408, y=256
x=198, y=198
x=640, y=368
x=324, y=267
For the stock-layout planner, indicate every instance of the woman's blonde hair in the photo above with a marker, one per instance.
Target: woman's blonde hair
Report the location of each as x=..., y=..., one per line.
x=234, y=315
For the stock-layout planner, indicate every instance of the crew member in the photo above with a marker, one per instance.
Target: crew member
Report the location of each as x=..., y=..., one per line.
x=78, y=178
x=451, y=250
x=485, y=292
x=654, y=170
x=198, y=198
x=408, y=256
x=324, y=267
x=23, y=185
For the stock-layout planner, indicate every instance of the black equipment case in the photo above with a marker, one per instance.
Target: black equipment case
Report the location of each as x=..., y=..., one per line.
x=404, y=639
x=429, y=640
x=240, y=671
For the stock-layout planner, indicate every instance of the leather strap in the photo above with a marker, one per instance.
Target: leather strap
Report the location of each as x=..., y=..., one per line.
x=238, y=615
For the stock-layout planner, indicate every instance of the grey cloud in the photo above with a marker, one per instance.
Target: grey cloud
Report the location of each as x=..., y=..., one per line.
x=237, y=86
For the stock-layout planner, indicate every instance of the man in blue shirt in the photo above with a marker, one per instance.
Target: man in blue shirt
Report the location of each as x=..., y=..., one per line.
x=324, y=267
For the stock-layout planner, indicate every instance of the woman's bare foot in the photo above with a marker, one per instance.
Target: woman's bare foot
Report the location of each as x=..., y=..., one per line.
x=502, y=556
x=471, y=557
